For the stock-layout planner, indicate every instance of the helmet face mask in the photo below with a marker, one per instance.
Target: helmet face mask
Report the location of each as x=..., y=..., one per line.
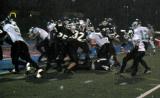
x=59, y=23
x=135, y=24
x=31, y=33
x=13, y=22
x=51, y=26
x=31, y=30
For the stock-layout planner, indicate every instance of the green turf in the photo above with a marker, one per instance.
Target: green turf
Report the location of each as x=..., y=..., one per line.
x=83, y=84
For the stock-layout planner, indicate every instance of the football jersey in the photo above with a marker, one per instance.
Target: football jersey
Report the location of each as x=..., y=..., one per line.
x=100, y=40
x=63, y=33
x=13, y=33
x=79, y=36
x=42, y=33
x=143, y=32
x=138, y=42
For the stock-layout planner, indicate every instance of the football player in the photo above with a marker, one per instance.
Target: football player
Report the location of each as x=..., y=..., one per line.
x=19, y=49
x=41, y=37
x=103, y=49
x=141, y=33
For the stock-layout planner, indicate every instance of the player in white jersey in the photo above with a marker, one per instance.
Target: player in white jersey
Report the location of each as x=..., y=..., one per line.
x=12, y=32
x=141, y=35
x=19, y=49
x=143, y=32
x=137, y=54
x=42, y=40
x=38, y=32
x=100, y=40
x=146, y=35
x=138, y=57
x=104, y=46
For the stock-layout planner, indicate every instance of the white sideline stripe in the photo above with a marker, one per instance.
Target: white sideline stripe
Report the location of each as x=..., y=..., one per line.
x=5, y=72
x=149, y=92
x=10, y=58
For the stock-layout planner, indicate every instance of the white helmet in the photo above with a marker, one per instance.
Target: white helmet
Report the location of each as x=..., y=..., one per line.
x=73, y=27
x=31, y=30
x=51, y=26
x=33, y=33
x=81, y=22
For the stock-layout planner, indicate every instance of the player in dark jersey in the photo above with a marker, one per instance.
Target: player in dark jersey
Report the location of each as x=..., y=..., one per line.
x=59, y=47
x=108, y=29
x=80, y=42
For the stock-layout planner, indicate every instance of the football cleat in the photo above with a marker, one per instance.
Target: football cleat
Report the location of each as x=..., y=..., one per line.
x=147, y=71
x=28, y=67
x=105, y=67
x=39, y=73
x=13, y=70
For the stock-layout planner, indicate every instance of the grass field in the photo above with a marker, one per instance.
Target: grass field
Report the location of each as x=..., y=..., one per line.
x=83, y=84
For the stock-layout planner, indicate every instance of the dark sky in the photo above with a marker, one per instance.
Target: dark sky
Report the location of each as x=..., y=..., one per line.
x=120, y=10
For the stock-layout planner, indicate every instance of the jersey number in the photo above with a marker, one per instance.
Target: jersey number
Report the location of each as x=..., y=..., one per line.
x=79, y=36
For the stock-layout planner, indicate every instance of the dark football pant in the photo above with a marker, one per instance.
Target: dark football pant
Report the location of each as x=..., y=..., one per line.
x=61, y=51
x=1, y=53
x=133, y=55
x=20, y=50
x=39, y=46
x=56, y=49
x=127, y=58
x=139, y=59
x=104, y=52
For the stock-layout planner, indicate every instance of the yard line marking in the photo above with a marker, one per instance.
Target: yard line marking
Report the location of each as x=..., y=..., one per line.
x=88, y=81
x=55, y=79
x=153, y=79
x=123, y=83
x=149, y=92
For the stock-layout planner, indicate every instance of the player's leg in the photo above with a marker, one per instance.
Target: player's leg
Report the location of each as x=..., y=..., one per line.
x=39, y=47
x=72, y=52
x=15, y=54
x=128, y=57
x=25, y=55
x=144, y=64
x=137, y=59
x=1, y=53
